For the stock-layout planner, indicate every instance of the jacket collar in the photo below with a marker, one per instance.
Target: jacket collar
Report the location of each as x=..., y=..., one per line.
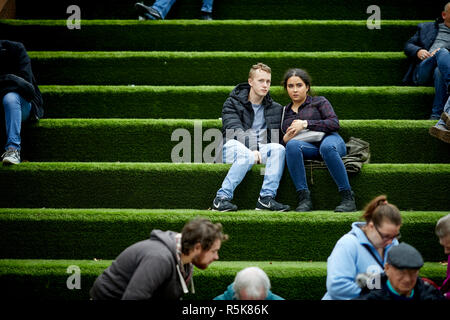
x=241, y=92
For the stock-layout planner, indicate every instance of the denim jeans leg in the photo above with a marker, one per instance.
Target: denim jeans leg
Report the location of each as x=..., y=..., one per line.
x=207, y=6
x=440, y=96
x=17, y=110
x=423, y=74
x=242, y=160
x=446, y=110
x=443, y=62
x=273, y=156
x=163, y=7
x=296, y=152
x=332, y=149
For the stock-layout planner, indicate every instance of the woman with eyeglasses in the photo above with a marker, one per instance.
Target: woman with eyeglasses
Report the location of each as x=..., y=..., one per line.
x=361, y=253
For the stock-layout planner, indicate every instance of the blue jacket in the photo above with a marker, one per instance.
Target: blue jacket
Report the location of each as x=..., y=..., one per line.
x=422, y=39
x=229, y=295
x=348, y=259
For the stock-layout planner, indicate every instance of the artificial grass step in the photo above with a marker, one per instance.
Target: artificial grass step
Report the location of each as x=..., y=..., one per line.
x=160, y=140
x=236, y=9
x=205, y=102
x=104, y=233
x=200, y=35
x=214, y=68
x=170, y=185
x=48, y=279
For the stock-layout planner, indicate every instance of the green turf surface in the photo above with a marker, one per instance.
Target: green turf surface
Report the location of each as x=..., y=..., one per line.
x=47, y=279
x=188, y=35
x=205, y=102
x=159, y=140
x=213, y=68
x=104, y=233
x=168, y=185
x=235, y=9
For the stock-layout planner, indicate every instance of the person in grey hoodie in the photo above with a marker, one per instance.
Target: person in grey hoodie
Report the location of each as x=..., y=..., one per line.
x=161, y=267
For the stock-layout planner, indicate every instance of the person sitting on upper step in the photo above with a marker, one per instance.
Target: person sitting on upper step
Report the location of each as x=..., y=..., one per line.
x=429, y=59
x=401, y=281
x=160, y=8
x=21, y=98
x=249, y=284
x=362, y=251
x=306, y=115
x=251, y=131
x=441, y=129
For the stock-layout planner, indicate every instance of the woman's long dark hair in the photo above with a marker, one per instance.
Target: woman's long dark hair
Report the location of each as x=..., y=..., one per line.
x=296, y=72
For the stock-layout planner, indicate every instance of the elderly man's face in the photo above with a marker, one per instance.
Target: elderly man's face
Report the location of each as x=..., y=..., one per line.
x=445, y=242
x=402, y=280
x=244, y=296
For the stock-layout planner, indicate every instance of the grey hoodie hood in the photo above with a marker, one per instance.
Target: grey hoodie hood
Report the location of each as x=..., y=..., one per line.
x=149, y=269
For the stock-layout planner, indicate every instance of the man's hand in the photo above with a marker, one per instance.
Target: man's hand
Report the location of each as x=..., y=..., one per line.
x=257, y=156
x=423, y=54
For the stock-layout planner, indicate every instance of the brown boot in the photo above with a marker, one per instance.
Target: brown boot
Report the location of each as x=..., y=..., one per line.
x=441, y=132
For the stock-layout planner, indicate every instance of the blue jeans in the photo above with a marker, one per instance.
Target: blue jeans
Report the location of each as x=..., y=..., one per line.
x=163, y=6
x=331, y=149
x=446, y=110
x=17, y=110
x=243, y=159
x=437, y=69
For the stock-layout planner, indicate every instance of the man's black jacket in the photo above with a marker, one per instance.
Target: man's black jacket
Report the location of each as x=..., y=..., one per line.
x=238, y=116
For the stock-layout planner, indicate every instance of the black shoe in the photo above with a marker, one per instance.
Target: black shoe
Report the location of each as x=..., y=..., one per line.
x=434, y=117
x=348, y=202
x=269, y=203
x=147, y=12
x=304, y=201
x=223, y=205
x=206, y=16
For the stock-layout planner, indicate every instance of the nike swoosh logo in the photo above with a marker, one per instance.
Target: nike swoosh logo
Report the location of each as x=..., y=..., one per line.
x=216, y=205
x=267, y=206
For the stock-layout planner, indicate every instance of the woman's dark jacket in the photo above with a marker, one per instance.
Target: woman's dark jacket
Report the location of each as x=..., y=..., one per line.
x=16, y=76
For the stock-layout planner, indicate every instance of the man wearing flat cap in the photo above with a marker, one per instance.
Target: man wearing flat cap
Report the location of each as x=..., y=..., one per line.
x=401, y=280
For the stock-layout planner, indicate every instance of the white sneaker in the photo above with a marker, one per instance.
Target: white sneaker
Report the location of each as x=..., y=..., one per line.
x=11, y=156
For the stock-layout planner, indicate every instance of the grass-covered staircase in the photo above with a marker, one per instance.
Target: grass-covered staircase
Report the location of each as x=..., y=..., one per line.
x=99, y=176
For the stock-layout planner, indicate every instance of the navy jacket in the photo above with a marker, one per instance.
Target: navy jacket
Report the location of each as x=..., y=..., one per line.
x=16, y=76
x=422, y=39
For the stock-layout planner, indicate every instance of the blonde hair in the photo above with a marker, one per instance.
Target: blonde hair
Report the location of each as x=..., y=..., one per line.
x=258, y=66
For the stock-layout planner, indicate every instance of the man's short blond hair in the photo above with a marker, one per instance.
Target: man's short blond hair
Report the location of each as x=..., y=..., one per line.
x=258, y=66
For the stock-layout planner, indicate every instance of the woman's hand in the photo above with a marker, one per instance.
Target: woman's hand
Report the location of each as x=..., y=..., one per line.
x=295, y=127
